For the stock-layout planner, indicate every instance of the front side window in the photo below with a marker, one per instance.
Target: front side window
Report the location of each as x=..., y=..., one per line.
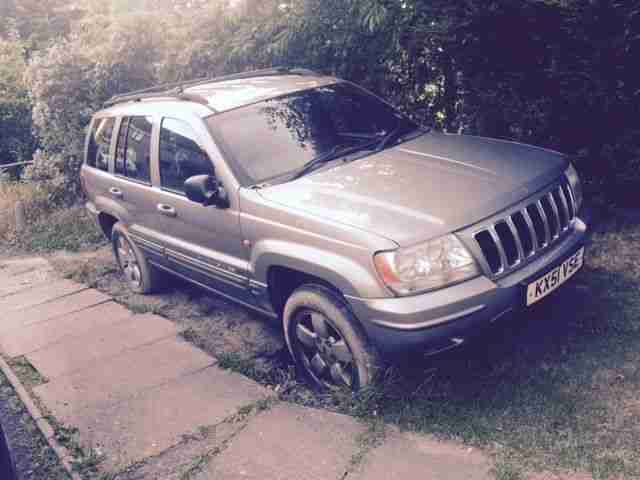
x=279, y=136
x=181, y=156
x=100, y=143
x=133, y=152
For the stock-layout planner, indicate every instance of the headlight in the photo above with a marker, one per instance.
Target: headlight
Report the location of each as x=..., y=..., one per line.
x=574, y=180
x=428, y=266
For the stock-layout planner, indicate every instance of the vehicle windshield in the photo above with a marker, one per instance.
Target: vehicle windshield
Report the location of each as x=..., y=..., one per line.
x=279, y=137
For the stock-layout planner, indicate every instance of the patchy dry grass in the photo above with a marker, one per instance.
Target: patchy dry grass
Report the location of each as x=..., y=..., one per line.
x=10, y=194
x=48, y=228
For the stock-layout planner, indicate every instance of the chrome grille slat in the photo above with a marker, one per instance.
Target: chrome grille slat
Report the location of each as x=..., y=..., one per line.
x=545, y=221
x=513, y=239
x=532, y=231
x=565, y=207
x=503, y=255
x=514, y=232
x=573, y=202
x=554, y=207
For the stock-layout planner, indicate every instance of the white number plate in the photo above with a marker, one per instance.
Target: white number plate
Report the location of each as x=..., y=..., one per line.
x=548, y=283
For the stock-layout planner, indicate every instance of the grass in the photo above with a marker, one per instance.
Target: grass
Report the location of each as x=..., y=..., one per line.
x=47, y=228
x=69, y=229
x=26, y=373
x=35, y=459
x=10, y=194
x=85, y=461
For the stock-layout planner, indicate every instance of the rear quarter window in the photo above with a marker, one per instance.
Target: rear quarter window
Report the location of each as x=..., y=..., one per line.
x=100, y=143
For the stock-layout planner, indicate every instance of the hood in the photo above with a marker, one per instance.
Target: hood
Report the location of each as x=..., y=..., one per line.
x=424, y=188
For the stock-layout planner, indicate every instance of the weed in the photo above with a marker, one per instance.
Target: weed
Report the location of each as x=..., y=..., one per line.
x=84, y=461
x=503, y=470
x=69, y=229
x=200, y=462
x=26, y=373
x=248, y=367
x=371, y=438
x=140, y=308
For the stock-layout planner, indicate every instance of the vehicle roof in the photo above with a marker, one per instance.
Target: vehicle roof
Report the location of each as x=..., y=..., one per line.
x=221, y=96
x=230, y=94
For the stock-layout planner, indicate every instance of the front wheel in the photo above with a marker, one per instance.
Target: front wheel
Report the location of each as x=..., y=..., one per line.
x=328, y=345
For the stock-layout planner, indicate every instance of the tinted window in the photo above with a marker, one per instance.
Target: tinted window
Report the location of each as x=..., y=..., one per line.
x=99, y=143
x=180, y=155
x=278, y=136
x=133, y=152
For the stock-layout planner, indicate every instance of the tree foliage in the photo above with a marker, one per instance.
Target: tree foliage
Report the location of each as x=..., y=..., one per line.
x=558, y=73
x=16, y=141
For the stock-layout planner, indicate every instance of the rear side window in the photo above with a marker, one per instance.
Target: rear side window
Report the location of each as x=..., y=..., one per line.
x=100, y=143
x=133, y=151
x=180, y=155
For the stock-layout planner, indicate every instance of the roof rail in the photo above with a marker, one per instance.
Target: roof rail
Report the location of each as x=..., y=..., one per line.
x=176, y=89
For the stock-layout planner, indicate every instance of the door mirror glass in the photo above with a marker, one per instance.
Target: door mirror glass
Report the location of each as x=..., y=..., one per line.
x=206, y=190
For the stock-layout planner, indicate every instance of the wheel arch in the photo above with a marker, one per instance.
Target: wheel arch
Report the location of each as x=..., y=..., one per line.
x=106, y=222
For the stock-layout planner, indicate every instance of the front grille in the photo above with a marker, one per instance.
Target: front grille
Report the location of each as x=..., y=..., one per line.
x=511, y=240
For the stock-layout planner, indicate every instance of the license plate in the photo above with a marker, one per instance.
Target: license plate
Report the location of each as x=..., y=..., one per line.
x=546, y=284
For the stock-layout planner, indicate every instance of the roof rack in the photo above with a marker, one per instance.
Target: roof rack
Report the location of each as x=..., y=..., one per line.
x=176, y=89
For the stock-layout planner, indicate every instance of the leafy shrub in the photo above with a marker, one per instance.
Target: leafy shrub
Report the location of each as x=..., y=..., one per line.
x=16, y=140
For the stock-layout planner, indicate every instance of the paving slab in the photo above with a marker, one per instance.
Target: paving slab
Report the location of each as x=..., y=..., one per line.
x=117, y=378
x=36, y=336
x=404, y=456
x=102, y=342
x=289, y=442
x=65, y=305
x=24, y=281
x=37, y=296
x=174, y=462
x=158, y=418
x=17, y=266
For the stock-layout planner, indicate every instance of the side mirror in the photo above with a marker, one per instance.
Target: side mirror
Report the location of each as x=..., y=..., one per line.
x=206, y=190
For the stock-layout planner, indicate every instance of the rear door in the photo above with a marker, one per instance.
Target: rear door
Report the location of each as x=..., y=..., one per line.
x=203, y=243
x=131, y=185
x=95, y=176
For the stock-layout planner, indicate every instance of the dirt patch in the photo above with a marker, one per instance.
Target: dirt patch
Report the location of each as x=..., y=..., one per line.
x=214, y=324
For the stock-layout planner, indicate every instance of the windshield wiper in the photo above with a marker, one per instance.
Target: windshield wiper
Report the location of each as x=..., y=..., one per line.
x=316, y=162
x=398, y=132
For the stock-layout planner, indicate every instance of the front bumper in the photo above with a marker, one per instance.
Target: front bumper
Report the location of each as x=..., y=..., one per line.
x=446, y=318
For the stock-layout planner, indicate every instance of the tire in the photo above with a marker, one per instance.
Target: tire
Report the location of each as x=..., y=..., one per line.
x=328, y=345
x=139, y=274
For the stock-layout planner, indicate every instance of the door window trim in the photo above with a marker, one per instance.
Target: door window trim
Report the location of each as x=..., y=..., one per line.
x=124, y=120
x=159, y=144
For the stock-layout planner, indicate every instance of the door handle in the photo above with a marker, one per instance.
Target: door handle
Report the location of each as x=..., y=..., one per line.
x=116, y=192
x=167, y=210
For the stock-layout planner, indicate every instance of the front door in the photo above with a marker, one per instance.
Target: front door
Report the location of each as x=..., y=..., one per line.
x=202, y=243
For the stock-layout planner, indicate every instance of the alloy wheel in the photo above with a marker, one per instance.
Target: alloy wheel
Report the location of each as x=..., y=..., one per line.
x=128, y=262
x=324, y=353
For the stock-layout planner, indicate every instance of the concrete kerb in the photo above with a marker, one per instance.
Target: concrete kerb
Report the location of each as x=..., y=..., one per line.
x=42, y=423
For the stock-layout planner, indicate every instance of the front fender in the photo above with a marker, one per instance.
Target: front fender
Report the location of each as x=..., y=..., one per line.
x=349, y=276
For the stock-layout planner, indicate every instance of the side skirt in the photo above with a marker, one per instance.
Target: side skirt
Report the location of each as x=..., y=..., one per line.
x=267, y=313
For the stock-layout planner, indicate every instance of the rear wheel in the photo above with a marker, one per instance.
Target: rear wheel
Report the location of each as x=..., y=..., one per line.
x=139, y=274
x=329, y=346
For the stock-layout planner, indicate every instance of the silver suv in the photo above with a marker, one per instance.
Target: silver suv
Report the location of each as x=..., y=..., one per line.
x=311, y=200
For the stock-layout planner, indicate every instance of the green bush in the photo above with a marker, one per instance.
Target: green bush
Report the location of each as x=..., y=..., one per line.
x=16, y=140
